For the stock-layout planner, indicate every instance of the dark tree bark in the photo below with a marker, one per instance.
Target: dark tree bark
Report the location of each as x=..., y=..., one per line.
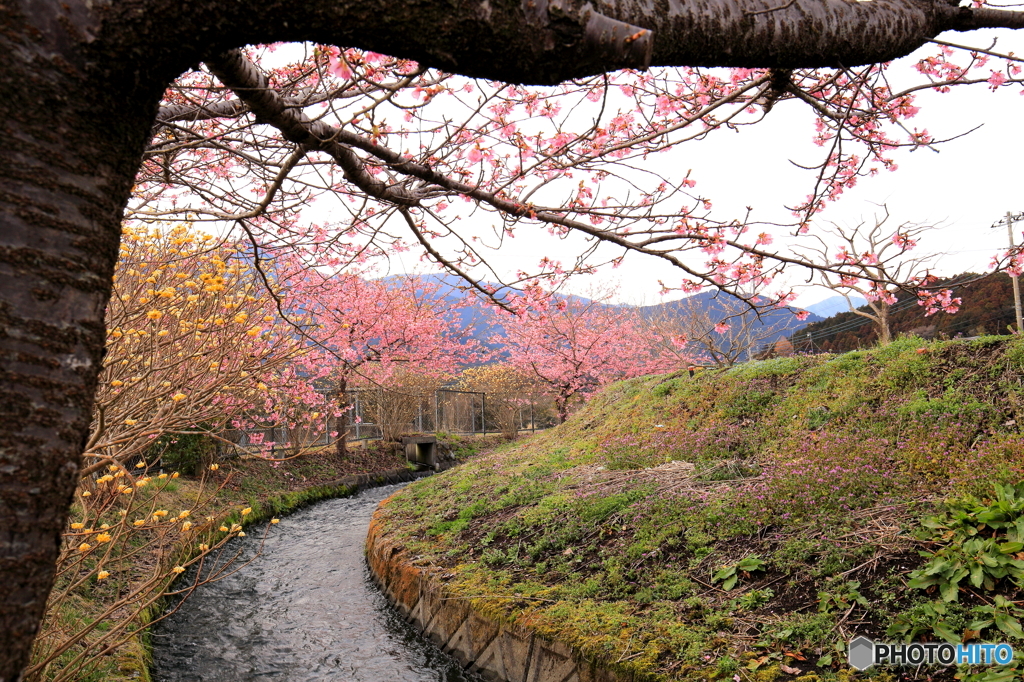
x=341, y=444
x=79, y=89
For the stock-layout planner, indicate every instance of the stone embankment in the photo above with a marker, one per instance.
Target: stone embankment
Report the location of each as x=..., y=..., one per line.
x=495, y=651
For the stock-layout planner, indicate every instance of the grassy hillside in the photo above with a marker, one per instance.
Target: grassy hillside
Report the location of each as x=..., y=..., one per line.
x=747, y=523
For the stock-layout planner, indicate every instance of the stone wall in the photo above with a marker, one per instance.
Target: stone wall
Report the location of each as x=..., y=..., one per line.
x=496, y=652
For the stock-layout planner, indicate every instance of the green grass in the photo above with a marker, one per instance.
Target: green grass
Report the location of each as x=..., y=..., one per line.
x=822, y=467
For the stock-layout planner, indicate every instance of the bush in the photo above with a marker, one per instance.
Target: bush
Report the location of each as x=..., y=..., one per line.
x=188, y=453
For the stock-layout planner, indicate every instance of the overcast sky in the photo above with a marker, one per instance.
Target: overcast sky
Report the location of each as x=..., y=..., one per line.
x=967, y=185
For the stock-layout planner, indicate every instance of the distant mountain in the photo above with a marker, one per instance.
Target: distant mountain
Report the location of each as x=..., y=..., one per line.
x=835, y=304
x=484, y=323
x=766, y=326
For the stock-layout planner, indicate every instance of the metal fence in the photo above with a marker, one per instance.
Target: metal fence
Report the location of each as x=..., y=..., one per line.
x=374, y=412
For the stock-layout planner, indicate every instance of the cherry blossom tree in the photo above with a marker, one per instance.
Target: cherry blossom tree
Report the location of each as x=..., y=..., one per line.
x=576, y=345
x=82, y=88
x=880, y=263
x=721, y=330
x=372, y=332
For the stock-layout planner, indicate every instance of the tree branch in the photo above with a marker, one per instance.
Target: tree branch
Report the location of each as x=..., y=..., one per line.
x=247, y=81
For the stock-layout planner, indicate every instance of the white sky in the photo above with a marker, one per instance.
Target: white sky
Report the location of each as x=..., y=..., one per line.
x=969, y=184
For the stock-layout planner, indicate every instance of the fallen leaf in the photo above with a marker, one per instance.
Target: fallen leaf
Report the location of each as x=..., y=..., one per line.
x=789, y=670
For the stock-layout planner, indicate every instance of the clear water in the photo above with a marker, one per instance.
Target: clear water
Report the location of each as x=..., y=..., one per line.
x=304, y=609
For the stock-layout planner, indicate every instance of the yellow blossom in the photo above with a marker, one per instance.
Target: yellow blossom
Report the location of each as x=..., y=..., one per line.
x=223, y=529
x=184, y=513
x=214, y=467
x=105, y=526
x=140, y=465
x=131, y=422
x=162, y=332
x=139, y=522
x=141, y=483
x=103, y=537
x=204, y=547
x=241, y=534
x=113, y=467
x=192, y=298
x=77, y=526
x=240, y=318
x=84, y=547
x=86, y=493
x=125, y=489
x=103, y=575
x=174, y=475
x=160, y=513
x=178, y=569
x=154, y=314
x=116, y=383
x=262, y=386
x=162, y=476
x=185, y=526
x=178, y=397
x=246, y=511
x=275, y=520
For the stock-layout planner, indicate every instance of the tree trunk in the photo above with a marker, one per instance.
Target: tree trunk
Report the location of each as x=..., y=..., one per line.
x=70, y=148
x=341, y=444
x=562, y=407
x=882, y=324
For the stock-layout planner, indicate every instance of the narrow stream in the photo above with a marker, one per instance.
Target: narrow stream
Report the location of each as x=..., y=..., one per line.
x=303, y=610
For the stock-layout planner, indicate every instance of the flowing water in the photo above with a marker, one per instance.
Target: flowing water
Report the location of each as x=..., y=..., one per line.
x=305, y=609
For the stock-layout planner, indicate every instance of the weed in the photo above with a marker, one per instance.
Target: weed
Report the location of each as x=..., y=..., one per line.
x=729, y=575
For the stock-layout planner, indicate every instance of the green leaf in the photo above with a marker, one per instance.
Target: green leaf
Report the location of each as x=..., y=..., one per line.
x=989, y=560
x=824, y=661
x=1009, y=625
x=999, y=675
x=977, y=575
x=949, y=592
x=936, y=567
x=942, y=630
x=730, y=582
x=1011, y=547
x=923, y=582
x=980, y=625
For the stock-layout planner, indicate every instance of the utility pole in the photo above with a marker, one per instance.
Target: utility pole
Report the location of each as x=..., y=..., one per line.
x=1010, y=218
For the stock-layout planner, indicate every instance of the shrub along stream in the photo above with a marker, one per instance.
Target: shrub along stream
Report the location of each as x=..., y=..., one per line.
x=747, y=523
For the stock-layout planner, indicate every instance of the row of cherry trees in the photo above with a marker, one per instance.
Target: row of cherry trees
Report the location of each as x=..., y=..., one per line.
x=204, y=335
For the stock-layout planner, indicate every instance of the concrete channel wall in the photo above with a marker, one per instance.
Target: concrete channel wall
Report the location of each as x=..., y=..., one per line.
x=496, y=652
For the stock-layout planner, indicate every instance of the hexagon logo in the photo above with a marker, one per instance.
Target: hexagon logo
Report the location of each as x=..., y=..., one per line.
x=861, y=653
